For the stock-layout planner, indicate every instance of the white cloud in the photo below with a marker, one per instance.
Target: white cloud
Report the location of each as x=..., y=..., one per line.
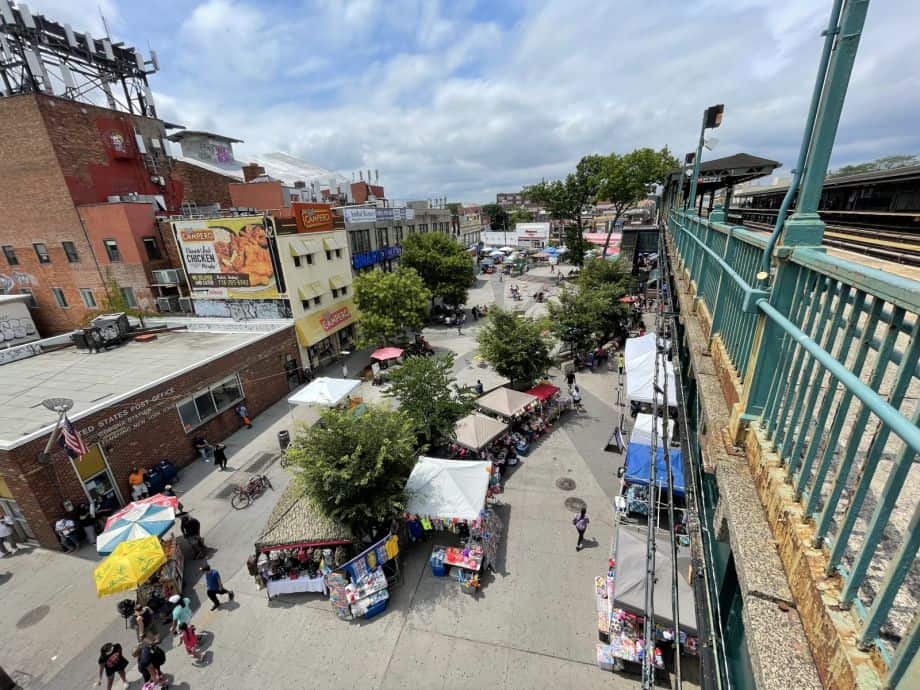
x=467, y=98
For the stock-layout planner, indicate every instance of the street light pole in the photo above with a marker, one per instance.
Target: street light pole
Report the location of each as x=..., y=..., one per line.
x=712, y=118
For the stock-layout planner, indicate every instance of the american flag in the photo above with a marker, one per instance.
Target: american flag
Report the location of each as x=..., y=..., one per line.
x=71, y=440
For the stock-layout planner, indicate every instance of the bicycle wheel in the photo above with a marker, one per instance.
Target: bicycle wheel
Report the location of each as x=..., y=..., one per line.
x=240, y=499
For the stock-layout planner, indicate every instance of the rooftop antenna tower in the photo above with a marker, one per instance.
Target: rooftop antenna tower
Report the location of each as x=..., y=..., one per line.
x=39, y=55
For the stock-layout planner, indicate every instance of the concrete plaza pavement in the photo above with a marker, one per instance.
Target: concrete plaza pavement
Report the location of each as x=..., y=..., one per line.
x=532, y=626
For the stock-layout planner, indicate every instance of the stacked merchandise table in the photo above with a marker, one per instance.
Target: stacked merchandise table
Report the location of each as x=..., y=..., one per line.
x=304, y=583
x=168, y=580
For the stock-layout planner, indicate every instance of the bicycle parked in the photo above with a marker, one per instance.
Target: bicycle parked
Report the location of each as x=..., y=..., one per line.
x=243, y=495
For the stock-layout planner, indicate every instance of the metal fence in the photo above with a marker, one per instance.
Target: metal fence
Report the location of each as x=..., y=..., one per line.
x=827, y=351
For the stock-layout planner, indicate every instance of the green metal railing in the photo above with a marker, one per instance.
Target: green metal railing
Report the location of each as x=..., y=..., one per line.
x=833, y=385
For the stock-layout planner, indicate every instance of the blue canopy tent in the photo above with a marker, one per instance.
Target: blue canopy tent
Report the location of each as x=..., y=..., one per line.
x=639, y=467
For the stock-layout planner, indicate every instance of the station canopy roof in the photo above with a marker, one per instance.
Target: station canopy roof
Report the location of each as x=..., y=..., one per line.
x=728, y=172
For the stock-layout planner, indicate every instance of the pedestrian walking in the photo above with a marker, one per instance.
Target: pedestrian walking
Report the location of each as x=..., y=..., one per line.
x=621, y=363
x=479, y=387
x=220, y=456
x=66, y=529
x=181, y=613
x=191, y=530
x=459, y=328
x=6, y=535
x=575, y=392
x=111, y=661
x=189, y=639
x=570, y=377
x=150, y=659
x=214, y=585
x=146, y=625
x=203, y=448
x=243, y=413
x=87, y=521
x=581, y=524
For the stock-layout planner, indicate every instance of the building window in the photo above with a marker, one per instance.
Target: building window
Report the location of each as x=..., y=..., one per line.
x=338, y=253
x=10, y=255
x=296, y=262
x=32, y=304
x=111, y=249
x=305, y=303
x=341, y=292
x=59, y=297
x=317, y=300
x=153, y=249
x=209, y=402
x=41, y=251
x=70, y=249
x=89, y=299
x=309, y=258
x=328, y=255
x=127, y=294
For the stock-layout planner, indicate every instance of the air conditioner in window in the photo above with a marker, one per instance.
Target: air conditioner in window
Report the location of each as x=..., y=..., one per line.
x=185, y=305
x=164, y=304
x=168, y=276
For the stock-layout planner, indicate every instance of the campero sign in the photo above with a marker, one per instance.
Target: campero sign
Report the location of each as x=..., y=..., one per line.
x=227, y=258
x=313, y=217
x=315, y=327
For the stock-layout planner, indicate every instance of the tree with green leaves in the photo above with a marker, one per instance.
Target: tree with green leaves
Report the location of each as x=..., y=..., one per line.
x=442, y=262
x=390, y=302
x=624, y=181
x=521, y=215
x=576, y=318
x=566, y=200
x=515, y=346
x=427, y=391
x=498, y=217
x=355, y=467
x=884, y=163
x=609, y=282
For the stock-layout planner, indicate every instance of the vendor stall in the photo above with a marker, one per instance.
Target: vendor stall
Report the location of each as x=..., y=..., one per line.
x=477, y=436
x=299, y=546
x=641, y=433
x=550, y=401
x=450, y=496
x=521, y=411
x=640, y=379
x=169, y=577
x=324, y=391
x=360, y=588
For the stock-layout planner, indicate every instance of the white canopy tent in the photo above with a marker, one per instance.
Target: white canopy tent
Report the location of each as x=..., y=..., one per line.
x=642, y=429
x=636, y=347
x=640, y=379
x=324, y=391
x=447, y=488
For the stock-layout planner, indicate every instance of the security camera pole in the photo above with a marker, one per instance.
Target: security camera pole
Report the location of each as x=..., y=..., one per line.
x=712, y=118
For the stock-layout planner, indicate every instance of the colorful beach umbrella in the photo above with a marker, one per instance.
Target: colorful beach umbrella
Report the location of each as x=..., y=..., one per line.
x=139, y=522
x=385, y=353
x=156, y=499
x=132, y=563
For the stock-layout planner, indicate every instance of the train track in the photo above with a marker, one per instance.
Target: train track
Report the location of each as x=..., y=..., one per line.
x=899, y=247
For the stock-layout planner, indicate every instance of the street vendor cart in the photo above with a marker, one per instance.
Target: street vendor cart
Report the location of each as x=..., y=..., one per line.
x=170, y=577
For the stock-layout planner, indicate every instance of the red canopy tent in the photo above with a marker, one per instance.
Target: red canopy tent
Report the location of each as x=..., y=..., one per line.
x=544, y=391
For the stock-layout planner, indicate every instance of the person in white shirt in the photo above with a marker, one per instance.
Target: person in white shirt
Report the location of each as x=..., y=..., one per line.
x=65, y=530
x=6, y=535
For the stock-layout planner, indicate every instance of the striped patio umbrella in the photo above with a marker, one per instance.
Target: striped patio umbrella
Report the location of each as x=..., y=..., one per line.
x=146, y=520
x=156, y=499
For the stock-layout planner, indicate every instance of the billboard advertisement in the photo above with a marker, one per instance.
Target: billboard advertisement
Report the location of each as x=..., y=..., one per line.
x=227, y=258
x=360, y=214
x=498, y=239
x=532, y=231
x=313, y=217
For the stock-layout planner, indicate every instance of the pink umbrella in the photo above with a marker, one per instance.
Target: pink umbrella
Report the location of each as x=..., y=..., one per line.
x=629, y=299
x=385, y=353
x=156, y=499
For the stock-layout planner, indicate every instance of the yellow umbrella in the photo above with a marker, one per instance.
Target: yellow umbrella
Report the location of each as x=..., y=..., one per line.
x=129, y=565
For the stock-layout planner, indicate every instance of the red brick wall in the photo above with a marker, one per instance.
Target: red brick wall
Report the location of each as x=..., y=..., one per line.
x=37, y=207
x=203, y=187
x=41, y=489
x=263, y=196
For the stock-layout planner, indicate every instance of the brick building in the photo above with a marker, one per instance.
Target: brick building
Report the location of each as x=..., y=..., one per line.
x=156, y=397
x=60, y=157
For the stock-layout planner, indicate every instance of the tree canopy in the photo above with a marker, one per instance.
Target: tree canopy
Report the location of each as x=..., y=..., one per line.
x=443, y=264
x=427, y=393
x=355, y=467
x=884, y=163
x=498, y=216
x=515, y=346
x=390, y=302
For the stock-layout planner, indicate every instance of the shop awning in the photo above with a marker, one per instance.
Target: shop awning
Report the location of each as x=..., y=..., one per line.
x=630, y=557
x=311, y=290
x=544, y=391
x=476, y=430
x=639, y=467
x=641, y=433
x=448, y=488
x=324, y=391
x=304, y=247
x=331, y=243
x=296, y=521
x=506, y=402
x=339, y=281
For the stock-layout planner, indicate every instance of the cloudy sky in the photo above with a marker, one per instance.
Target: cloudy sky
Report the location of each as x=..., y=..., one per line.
x=465, y=98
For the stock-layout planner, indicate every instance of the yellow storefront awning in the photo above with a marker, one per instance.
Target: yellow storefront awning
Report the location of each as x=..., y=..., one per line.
x=339, y=281
x=332, y=243
x=304, y=247
x=315, y=327
x=310, y=290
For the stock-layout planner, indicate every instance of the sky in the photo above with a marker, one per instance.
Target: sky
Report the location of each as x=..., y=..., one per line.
x=466, y=98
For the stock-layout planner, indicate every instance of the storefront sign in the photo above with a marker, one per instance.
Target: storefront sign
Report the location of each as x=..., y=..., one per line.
x=532, y=231
x=497, y=239
x=313, y=217
x=315, y=327
x=360, y=214
x=127, y=419
x=410, y=214
x=385, y=214
x=227, y=258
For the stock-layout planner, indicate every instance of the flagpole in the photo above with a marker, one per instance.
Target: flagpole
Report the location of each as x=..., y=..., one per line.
x=45, y=455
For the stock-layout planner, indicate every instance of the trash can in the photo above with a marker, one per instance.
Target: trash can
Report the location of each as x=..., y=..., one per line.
x=284, y=439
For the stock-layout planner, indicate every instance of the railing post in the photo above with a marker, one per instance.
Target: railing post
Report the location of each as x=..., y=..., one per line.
x=717, y=310
x=805, y=226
